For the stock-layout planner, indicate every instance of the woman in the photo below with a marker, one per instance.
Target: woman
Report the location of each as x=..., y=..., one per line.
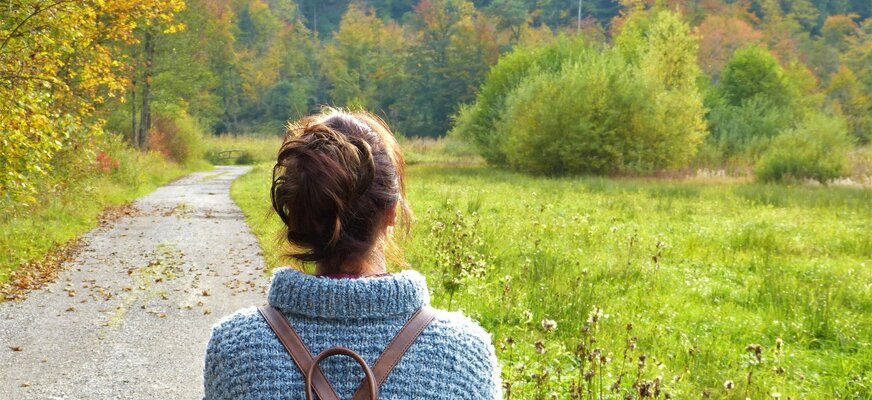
x=338, y=187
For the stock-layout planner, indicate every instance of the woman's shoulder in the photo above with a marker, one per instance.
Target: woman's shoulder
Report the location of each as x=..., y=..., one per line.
x=240, y=325
x=456, y=323
x=455, y=330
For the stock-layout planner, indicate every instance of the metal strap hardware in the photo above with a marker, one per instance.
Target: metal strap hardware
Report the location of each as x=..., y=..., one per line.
x=373, y=378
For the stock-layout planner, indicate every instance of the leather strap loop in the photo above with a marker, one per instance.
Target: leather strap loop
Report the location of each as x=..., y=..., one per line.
x=398, y=346
x=373, y=378
x=369, y=379
x=299, y=352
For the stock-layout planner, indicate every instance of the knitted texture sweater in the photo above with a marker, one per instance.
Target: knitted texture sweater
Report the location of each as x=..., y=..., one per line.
x=452, y=359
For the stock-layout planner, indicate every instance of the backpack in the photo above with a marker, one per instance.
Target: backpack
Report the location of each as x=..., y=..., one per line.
x=373, y=377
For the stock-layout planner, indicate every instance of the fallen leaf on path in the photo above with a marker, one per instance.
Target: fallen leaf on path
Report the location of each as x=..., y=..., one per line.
x=16, y=348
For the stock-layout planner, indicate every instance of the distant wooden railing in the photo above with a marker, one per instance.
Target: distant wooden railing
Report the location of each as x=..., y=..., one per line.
x=228, y=154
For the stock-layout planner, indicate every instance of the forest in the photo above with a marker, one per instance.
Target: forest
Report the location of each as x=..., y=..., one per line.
x=738, y=74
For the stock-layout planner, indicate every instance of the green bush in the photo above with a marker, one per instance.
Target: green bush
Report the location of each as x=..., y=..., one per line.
x=245, y=158
x=754, y=72
x=606, y=121
x=736, y=128
x=477, y=123
x=818, y=149
x=568, y=108
x=177, y=136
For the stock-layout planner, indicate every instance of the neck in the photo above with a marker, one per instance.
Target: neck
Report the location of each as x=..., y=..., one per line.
x=374, y=264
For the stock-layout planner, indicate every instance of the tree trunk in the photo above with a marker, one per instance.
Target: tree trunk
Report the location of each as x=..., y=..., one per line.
x=145, y=110
x=134, y=135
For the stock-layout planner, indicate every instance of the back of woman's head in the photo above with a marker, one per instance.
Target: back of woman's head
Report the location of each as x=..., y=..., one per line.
x=337, y=180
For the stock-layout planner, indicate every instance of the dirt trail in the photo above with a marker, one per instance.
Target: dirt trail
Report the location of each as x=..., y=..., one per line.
x=131, y=315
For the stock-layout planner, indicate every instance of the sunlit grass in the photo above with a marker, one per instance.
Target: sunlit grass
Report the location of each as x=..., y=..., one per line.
x=701, y=270
x=72, y=206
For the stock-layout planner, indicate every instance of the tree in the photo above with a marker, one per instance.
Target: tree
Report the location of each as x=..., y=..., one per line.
x=478, y=121
x=452, y=51
x=720, y=36
x=852, y=103
x=753, y=72
x=59, y=60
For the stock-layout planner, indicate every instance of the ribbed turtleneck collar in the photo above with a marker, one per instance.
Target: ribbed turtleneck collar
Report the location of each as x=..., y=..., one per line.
x=299, y=293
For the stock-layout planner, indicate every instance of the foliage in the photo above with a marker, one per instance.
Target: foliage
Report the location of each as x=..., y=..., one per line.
x=743, y=128
x=817, y=149
x=58, y=61
x=752, y=73
x=458, y=250
x=852, y=103
x=756, y=99
x=178, y=137
x=591, y=111
x=478, y=122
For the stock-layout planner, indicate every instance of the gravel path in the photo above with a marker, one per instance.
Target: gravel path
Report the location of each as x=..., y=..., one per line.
x=129, y=318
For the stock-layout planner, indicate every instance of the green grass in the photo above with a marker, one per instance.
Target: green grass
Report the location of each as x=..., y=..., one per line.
x=700, y=269
x=247, y=149
x=71, y=207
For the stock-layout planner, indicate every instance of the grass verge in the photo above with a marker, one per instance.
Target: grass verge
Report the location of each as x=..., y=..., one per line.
x=72, y=207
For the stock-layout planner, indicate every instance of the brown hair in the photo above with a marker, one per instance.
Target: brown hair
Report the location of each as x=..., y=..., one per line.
x=337, y=175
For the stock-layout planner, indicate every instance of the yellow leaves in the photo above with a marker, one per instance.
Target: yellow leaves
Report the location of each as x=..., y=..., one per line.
x=175, y=28
x=57, y=62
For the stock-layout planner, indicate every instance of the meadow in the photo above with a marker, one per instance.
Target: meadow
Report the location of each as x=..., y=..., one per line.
x=613, y=288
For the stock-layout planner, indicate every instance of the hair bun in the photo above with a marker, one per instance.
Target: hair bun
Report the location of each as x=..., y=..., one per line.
x=334, y=179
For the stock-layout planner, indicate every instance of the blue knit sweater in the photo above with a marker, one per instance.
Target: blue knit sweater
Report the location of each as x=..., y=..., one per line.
x=452, y=359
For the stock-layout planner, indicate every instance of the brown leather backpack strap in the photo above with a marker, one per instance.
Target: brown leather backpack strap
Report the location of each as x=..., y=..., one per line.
x=398, y=346
x=298, y=351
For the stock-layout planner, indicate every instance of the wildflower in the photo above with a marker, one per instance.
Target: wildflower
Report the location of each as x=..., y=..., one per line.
x=594, y=315
x=728, y=384
x=776, y=395
x=778, y=344
x=527, y=315
x=645, y=389
x=778, y=370
x=540, y=347
x=756, y=349
x=589, y=375
x=580, y=350
x=549, y=325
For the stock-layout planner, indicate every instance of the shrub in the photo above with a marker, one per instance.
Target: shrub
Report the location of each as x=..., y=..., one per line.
x=605, y=121
x=245, y=158
x=478, y=123
x=818, y=149
x=570, y=108
x=754, y=72
x=736, y=128
x=177, y=136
